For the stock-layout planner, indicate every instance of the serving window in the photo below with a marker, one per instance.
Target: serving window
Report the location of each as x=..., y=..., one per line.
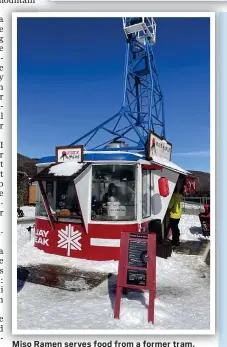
x=113, y=193
x=40, y=207
x=62, y=199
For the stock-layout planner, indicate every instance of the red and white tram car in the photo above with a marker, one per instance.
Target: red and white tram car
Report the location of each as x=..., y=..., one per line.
x=86, y=199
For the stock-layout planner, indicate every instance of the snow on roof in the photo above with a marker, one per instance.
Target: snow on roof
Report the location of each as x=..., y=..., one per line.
x=169, y=164
x=65, y=169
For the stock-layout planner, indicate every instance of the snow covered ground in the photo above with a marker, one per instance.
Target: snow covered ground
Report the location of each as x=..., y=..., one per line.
x=182, y=302
x=29, y=211
x=194, y=206
x=190, y=228
x=29, y=214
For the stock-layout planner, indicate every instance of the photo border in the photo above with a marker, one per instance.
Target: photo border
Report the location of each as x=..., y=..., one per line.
x=145, y=332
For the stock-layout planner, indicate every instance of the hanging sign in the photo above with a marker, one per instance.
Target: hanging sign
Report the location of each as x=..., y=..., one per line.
x=137, y=267
x=69, y=153
x=159, y=147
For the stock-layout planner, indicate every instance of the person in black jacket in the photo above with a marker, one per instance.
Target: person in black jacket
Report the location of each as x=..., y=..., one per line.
x=113, y=194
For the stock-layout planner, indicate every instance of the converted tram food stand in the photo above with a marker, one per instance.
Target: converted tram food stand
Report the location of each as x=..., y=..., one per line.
x=87, y=198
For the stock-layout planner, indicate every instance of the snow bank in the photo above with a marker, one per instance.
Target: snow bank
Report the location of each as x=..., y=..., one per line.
x=194, y=206
x=190, y=228
x=182, y=302
x=29, y=211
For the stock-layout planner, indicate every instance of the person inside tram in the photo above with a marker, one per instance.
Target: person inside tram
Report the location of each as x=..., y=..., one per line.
x=67, y=203
x=113, y=194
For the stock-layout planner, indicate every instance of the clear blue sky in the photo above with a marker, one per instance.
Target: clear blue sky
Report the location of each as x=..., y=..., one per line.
x=70, y=78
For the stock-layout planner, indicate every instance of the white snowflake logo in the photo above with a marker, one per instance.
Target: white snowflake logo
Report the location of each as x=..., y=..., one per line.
x=69, y=239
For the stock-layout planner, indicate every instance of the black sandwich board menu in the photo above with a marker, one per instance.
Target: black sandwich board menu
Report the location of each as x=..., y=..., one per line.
x=137, y=267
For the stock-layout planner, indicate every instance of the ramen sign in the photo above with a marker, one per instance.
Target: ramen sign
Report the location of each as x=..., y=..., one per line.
x=159, y=147
x=69, y=153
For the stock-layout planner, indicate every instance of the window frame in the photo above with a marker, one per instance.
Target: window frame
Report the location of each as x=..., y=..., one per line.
x=148, y=180
x=116, y=221
x=41, y=200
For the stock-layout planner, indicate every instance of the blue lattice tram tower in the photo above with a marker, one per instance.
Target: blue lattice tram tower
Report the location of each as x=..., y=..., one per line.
x=142, y=109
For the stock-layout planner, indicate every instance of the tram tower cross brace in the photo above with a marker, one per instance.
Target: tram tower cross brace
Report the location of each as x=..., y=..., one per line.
x=142, y=110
